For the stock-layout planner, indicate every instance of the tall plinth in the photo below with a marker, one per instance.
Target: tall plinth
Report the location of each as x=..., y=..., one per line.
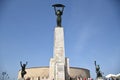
x=59, y=65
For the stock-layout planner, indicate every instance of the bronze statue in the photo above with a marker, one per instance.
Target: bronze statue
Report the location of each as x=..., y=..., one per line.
x=58, y=13
x=99, y=74
x=23, y=72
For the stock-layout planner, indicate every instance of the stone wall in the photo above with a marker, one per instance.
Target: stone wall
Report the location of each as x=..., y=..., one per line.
x=42, y=73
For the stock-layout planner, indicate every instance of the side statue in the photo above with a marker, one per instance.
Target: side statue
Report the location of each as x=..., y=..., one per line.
x=58, y=13
x=99, y=74
x=23, y=66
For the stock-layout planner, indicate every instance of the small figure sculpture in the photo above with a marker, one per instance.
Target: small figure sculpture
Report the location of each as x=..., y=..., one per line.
x=23, y=72
x=98, y=70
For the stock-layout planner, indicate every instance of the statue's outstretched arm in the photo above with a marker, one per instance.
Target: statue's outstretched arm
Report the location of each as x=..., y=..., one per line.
x=21, y=63
x=55, y=11
x=95, y=63
x=62, y=9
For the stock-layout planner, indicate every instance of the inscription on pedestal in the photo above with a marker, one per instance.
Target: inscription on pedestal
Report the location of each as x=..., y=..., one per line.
x=60, y=71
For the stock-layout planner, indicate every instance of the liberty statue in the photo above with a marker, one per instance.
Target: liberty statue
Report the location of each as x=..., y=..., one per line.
x=58, y=13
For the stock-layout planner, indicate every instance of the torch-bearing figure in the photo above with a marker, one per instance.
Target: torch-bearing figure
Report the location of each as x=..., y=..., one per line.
x=98, y=72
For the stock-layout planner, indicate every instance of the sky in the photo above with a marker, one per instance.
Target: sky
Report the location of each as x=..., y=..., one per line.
x=91, y=28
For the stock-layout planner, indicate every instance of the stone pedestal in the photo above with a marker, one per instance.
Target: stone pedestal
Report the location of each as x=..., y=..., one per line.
x=100, y=78
x=59, y=65
x=21, y=79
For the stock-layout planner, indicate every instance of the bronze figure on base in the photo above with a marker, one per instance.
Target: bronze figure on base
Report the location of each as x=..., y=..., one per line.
x=58, y=12
x=23, y=66
x=98, y=72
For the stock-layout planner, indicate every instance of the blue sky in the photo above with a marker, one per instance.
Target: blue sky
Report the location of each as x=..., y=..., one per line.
x=92, y=32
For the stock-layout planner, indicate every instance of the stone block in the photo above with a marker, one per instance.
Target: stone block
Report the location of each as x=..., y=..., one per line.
x=21, y=79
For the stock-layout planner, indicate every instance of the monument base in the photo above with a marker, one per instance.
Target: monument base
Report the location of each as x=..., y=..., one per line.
x=21, y=79
x=100, y=78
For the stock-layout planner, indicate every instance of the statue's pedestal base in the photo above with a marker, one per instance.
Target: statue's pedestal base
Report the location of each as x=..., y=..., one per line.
x=21, y=79
x=100, y=78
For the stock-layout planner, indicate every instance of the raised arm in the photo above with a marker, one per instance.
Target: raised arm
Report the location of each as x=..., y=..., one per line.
x=55, y=11
x=95, y=63
x=62, y=10
x=21, y=63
